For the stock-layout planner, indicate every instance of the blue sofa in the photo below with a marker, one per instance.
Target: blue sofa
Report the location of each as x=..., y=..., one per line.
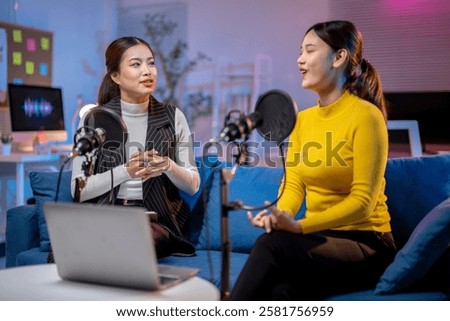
x=418, y=191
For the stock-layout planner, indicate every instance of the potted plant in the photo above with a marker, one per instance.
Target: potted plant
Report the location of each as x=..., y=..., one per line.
x=174, y=66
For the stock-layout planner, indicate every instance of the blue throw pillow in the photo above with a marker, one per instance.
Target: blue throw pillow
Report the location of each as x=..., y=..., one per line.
x=426, y=244
x=43, y=185
x=414, y=186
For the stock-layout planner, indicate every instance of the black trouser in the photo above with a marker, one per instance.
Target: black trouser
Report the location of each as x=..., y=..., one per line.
x=287, y=266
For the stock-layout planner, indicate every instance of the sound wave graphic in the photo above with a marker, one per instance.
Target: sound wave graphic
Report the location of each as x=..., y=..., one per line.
x=38, y=108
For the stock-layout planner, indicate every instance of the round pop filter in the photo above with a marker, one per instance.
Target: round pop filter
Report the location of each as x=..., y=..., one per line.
x=279, y=113
x=112, y=124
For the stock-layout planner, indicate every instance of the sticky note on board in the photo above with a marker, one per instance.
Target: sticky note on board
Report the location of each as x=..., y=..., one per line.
x=17, y=35
x=31, y=44
x=17, y=58
x=43, y=69
x=45, y=43
x=29, y=67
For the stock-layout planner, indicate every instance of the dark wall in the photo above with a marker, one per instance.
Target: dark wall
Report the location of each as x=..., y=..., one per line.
x=430, y=109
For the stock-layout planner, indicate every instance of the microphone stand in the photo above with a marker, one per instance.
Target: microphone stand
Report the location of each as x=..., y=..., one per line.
x=80, y=182
x=226, y=175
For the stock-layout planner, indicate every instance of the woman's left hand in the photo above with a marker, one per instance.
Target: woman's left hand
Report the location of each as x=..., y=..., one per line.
x=277, y=220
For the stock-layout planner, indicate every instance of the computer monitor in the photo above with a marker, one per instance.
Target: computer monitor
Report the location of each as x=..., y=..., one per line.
x=36, y=113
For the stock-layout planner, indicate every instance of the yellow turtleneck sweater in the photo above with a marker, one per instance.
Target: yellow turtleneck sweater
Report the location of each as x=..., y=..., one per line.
x=337, y=156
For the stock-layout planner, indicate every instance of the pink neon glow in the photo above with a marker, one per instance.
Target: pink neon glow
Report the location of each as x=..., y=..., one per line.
x=418, y=5
x=404, y=3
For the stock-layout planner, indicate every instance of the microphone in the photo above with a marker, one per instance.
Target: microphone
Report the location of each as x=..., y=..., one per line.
x=87, y=142
x=274, y=116
x=241, y=127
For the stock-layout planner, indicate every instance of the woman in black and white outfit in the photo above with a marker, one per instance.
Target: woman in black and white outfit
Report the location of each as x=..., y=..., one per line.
x=156, y=161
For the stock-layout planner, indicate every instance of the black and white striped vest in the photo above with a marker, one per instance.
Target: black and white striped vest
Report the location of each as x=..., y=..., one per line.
x=159, y=193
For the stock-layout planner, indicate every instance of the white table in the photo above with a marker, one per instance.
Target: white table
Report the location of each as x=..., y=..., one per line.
x=20, y=159
x=41, y=282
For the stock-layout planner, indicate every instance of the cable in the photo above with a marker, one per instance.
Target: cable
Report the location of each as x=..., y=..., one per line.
x=260, y=208
x=59, y=178
x=112, y=198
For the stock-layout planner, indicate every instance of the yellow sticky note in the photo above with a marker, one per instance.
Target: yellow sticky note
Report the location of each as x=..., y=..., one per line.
x=29, y=67
x=17, y=35
x=45, y=43
x=17, y=58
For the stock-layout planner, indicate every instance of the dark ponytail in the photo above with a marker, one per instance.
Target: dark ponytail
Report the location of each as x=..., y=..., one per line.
x=113, y=56
x=367, y=85
x=108, y=90
x=362, y=78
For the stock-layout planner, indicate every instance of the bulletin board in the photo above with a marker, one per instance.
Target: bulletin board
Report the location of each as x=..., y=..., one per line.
x=25, y=57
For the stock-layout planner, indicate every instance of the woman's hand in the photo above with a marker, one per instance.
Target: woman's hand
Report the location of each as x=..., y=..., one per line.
x=148, y=164
x=277, y=220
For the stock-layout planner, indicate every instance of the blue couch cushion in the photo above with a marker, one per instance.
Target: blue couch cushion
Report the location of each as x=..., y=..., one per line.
x=22, y=231
x=252, y=186
x=44, y=185
x=210, y=264
x=427, y=243
x=414, y=186
x=30, y=257
x=197, y=202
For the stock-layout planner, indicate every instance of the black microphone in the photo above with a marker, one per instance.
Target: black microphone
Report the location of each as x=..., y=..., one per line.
x=241, y=127
x=87, y=142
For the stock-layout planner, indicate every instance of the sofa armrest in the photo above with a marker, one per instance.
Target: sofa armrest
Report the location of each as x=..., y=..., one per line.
x=22, y=231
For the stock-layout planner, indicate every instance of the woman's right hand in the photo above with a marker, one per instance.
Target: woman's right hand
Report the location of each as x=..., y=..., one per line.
x=261, y=220
x=277, y=220
x=134, y=164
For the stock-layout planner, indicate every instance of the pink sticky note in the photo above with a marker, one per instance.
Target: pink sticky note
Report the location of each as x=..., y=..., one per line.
x=31, y=44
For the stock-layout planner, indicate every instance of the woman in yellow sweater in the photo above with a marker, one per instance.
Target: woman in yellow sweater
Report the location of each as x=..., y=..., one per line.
x=336, y=162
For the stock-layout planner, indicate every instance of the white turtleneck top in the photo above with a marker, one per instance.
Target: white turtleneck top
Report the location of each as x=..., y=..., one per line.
x=184, y=176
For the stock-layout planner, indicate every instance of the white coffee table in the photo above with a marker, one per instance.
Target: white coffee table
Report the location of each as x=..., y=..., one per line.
x=41, y=282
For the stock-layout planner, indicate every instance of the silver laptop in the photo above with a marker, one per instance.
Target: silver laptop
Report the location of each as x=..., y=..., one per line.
x=108, y=245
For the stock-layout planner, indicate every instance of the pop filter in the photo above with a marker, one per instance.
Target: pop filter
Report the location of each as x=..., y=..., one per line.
x=112, y=124
x=279, y=113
